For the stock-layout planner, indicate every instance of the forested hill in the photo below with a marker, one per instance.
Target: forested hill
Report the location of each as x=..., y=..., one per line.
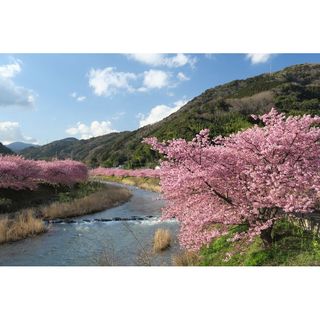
x=224, y=109
x=4, y=150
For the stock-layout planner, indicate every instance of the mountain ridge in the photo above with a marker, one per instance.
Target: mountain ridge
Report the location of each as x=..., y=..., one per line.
x=223, y=109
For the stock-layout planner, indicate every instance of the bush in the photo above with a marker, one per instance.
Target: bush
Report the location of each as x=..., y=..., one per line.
x=22, y=226
x=161, y=240
x=185, y=258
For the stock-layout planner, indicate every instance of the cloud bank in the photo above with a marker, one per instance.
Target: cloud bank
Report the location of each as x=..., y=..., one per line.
x=11, y=132
x=95, y=129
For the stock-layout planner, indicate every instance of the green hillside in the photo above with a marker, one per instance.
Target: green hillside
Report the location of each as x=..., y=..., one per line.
x=5, y=150
x=224, y=109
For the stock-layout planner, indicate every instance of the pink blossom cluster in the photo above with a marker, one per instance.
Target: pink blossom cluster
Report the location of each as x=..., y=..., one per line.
x=65, y=172
x=19, y=173
x=147, y=173
x=253, y=177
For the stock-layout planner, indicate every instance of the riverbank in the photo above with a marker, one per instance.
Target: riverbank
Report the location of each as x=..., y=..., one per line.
x=292, y=246
x=84, y=199
x=150, y=184
x=24, y=225
x=121, y=236
x=12, y=201
x=107, y=197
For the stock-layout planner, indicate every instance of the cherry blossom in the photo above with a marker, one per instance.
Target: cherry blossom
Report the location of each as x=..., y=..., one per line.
x=19, y=173
x=252, y=177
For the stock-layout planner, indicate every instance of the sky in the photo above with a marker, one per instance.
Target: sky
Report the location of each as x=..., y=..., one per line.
x=47, y=97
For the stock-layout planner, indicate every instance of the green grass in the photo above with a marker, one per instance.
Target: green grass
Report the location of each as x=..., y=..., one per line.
x=292, y=246
x=80, y=191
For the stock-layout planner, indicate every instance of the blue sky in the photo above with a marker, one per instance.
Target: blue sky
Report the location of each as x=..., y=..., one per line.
x=46, y=97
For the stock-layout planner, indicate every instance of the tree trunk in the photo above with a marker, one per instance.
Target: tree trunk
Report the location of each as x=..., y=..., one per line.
x=266, y=237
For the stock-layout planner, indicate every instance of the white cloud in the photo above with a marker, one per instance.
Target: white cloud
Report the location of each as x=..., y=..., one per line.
x=11, y=132
x=155, y=79
x=180, y=60
x=153, y=59
x=182, y=77
x=257, y=58
x=159, y=112
x=108, y=81
x=158, y=59
x=95, y=129
x=10, y=93
x=77, y=97
x=10, y=70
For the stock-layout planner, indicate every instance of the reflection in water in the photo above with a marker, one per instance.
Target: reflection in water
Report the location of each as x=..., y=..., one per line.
x=98, y=243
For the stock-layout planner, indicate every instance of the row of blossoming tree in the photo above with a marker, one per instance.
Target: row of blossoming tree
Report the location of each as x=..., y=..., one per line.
x=18, y=173
x=253, y=177
x=146, y=173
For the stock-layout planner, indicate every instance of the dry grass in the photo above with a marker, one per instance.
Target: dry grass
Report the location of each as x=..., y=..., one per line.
x=150, y=187
x=185, y=258
x=161, y=240
x=109, y=197
x=151, y=184
x=22, y=226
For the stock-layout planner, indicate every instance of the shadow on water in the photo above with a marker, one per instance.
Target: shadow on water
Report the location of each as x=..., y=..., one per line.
x=88, y=241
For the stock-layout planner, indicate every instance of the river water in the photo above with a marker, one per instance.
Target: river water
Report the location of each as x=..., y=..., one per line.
x=92, y=243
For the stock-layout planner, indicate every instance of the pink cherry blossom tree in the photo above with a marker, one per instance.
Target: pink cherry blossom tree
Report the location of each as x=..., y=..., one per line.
x=253, y=177
x=64, y=172
x=18, y=173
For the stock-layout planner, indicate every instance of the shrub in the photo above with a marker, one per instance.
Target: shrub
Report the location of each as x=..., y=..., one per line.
x=161, y=240
x=185, y=258
x=20, y=227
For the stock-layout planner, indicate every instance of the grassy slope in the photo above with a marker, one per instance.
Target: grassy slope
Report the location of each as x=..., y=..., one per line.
x=86, y=197
x=104, y=197
x=292, y=246
x=15, y=200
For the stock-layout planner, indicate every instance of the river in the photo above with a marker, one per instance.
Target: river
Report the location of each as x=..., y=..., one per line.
x=90, y=241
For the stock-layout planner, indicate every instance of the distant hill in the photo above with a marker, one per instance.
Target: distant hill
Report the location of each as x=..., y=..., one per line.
x=224, y=109
x=5, y=150
x=19, y=146
x=56, y=149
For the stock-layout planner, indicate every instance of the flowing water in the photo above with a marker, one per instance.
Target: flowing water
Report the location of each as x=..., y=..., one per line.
x=96, y=239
